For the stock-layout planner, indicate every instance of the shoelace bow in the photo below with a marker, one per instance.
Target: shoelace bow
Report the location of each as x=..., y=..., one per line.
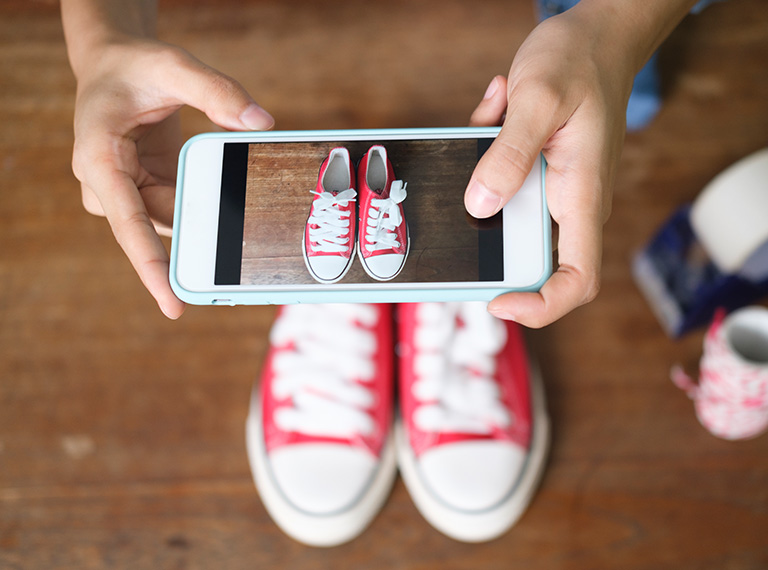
x=384, y=218
x=328, y=224
x=329, y=352
x=455, y=366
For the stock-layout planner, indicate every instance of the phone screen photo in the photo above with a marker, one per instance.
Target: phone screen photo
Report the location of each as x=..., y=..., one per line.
x=266, y=197
x=257, y=213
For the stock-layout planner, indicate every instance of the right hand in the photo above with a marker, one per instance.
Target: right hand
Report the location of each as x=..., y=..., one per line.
x=127, y=140
x=565, y=96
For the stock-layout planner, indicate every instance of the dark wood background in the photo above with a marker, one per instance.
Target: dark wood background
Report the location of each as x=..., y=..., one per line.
x=121, y=433
x=443, y=238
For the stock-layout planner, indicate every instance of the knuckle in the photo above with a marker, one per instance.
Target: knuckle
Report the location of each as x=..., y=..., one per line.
x=221, y=87
x=91, y=203
x=592, y=288
x=511, y=158
x=93, y=210
x=546, y=92
x=607, y=207
x=79, y=162
x=124, y=226
x=535, y=322
x=218, y=84
x=173, y=56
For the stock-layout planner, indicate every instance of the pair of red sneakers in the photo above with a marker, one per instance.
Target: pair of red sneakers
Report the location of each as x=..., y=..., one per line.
x=381, y=236
x=324, y=441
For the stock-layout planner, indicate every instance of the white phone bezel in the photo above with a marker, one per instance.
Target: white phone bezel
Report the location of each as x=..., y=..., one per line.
x=525, y=220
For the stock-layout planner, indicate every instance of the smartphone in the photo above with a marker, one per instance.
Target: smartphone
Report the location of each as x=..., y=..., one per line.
x=244, y=202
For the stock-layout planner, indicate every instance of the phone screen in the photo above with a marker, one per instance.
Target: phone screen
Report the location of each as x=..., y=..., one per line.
x=266, y=197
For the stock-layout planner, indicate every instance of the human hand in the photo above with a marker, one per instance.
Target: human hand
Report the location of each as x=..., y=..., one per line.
x=127, y=140
x=566, y=95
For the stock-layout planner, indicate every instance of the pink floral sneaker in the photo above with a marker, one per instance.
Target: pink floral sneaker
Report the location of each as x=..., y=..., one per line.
x=383, y=232
x=328, y=243
x=473, y=433
x=319, y=429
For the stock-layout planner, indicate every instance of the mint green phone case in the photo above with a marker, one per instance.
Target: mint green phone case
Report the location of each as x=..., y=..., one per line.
x=369, y=293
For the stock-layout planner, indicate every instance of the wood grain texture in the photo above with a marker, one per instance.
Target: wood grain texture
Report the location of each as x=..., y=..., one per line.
x=443, y=239
x=121, y=433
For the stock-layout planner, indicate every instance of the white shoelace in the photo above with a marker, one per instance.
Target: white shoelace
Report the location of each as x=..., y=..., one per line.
x=329, y=352
x=330, y=235
x=455, y=367
x=384, y=218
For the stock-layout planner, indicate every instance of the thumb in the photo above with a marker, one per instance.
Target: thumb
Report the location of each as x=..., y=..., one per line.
x=220, y=97
x=505, y=165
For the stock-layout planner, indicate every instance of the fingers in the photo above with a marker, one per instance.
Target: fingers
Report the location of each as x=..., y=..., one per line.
x=91, y=201
x=533, y=116
x=112, y=114
x=490, y=111
x=505, y=165
x=136, y=234
x=219, y=96
x=577, y=278
x=121, y=202
x=567, y=289
x=159, y=203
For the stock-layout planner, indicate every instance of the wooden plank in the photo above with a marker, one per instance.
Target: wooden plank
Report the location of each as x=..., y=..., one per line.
x=121, y=433
x=278, y=199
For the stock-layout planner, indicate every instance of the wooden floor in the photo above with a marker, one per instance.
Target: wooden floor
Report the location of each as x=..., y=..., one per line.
x=121, y=433
x=443, y=240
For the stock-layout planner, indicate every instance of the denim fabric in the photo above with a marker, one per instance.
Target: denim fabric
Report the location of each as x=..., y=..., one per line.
x=645, y=99
x=547, y=8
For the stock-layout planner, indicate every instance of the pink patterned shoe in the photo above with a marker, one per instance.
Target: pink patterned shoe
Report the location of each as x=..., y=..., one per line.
x=329, y=236
x=319, y=429
x=473, y=433
x=383, y=232
x=731, y=396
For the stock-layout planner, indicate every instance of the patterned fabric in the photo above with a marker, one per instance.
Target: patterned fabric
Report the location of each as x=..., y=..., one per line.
x=549, y=8
x=731, y=397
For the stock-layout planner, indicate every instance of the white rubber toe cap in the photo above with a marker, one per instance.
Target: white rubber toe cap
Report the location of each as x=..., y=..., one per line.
x=322, y=478
x=385, y=266
x=472, y=475
x=328, y=267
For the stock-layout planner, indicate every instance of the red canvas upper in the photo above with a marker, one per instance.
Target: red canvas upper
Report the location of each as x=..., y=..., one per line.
x=511, y=376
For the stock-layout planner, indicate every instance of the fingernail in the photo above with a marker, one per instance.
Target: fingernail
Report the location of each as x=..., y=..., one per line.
x=501, y=314
x=492, y=88
x=168, y=313
x=256, y=118
x=481, y=202
x=173, y=315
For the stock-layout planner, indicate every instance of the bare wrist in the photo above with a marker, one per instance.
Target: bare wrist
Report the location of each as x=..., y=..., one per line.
x=90, y=26
x=633, y=29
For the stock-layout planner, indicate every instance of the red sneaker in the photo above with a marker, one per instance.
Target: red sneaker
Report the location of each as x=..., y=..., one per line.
x=473, y=432
x=329, y=236
x=319, y=429
x=383, y=232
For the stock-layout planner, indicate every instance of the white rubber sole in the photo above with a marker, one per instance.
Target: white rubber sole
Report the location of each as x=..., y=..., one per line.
x=314, y=530
x=318, y=278
x=376, y=277
x=480, y=526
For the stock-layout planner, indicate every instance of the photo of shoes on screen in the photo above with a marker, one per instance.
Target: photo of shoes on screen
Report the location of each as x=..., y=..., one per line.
x=380, y=234
x=357, y=212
